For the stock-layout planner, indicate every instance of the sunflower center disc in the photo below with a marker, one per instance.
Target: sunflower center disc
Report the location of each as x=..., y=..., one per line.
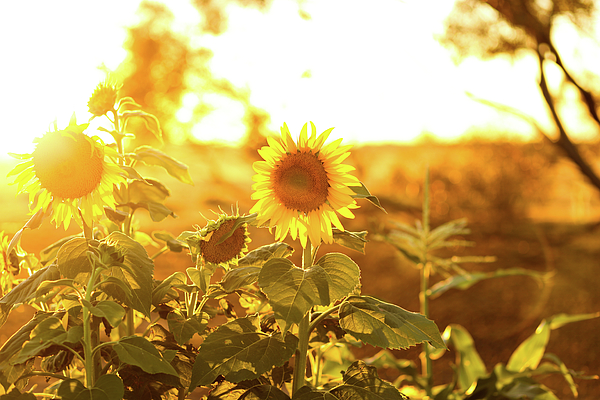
x=300, y=182
x=67, y=166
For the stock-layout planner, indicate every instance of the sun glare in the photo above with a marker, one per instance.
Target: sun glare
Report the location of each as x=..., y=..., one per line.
x=388, y=80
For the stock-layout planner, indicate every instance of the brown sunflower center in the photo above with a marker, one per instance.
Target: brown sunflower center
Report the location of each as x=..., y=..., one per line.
x=300, y=182
x=229, y=249
x=68, y=166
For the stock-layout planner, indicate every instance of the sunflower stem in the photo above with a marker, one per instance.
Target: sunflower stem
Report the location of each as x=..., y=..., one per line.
x=88, y=353
x=299, y=377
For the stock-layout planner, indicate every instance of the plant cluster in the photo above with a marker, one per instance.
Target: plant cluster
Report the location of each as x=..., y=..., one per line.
x=106, y=329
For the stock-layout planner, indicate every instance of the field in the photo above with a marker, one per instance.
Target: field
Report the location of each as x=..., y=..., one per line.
x=525, y=204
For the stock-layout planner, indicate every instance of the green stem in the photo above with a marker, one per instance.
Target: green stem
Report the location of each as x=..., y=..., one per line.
x=424, y=308
x=88, y=353
x=299, y=377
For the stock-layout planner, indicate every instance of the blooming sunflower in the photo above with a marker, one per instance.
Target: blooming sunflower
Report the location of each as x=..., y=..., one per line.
x=216, y=248
x=69, y=171
x=302, y=186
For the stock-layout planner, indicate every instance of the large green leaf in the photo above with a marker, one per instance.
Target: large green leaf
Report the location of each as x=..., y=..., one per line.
x=164, y=287
x=246, y=390
x=258, y=257
x=184, y=328
x=237, y=278
x=137, y=275
x=386, y=325
x=111, y=385
x=73, y=262
x=26, y=290
x=48, y=332
x=470, y=365
x=152, y=156
x=360, y=382
x=112, y=311
x=293, y=291
x=15, y=394
x=239, y=351
x=531, y=350
x=138, y=351
x=343, y=275
x=107, y=387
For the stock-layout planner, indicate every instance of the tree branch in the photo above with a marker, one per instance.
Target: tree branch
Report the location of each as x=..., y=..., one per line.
x=564, y=142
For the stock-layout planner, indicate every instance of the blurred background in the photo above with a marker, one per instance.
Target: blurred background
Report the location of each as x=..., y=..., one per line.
x=497, y=98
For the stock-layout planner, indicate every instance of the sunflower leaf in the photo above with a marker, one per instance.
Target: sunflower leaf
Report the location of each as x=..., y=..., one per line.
x=351, y=240
x=151, y=156
x=343, y=275
x=138, y=351
x=237, y=278
x=172, y=243
x=361, y=381
x=292, y=291
x=26, y=290
x=73, y=262
x=164, y=287
x=257, y=257
x=239, y=351
x=137, y=275
x=252, y=389
x=183, y=329
x=361, y=192
x=387, y=325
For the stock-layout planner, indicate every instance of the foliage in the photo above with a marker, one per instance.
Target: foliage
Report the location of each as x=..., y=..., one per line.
x=107, y=329
x=516, y=379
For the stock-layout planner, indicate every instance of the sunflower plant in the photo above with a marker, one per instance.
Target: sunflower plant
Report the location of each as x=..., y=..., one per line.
x=240, y=323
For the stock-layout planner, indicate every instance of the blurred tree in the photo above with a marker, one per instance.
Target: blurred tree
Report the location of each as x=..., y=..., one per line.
x=486, y=28
x=162, y=66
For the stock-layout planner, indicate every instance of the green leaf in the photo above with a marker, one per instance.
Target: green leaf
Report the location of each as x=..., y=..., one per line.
x=138, y=351
x=531, y=350
x=48, y=332
x=73, y=262
x=15, y=394
x=201, y=276
x=361, y=382
x=147, y=191
x=26, y=290
x=239, y=351
x=137, y=276
x=248, y=390
x=343, y=275
x=361, y=192
x=50, y=252
x=470, y=365
x=292, y=291
x=111, y=385
x=164, y=287
x=150, y=121
x=258, y=257
x=183, y=329
x=151, y=156
x=237, y=278
x=159, y=211
x=113, y=312
x=386, y=325
x=351, y=240
x=172, y=243
x=465, y=281
x=69, y=389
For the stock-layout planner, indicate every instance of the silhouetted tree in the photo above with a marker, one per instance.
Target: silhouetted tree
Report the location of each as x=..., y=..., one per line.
x=485, y=28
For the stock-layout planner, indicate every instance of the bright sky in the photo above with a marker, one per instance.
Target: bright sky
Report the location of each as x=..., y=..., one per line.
x=375, y=73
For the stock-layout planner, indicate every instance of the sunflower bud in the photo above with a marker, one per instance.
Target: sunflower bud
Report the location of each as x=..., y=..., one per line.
x=103, y=99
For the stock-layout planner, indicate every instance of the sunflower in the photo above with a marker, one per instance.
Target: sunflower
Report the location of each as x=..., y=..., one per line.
x=302, y=186
x=103, y=99
x=223, y=241
x=69, y=171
